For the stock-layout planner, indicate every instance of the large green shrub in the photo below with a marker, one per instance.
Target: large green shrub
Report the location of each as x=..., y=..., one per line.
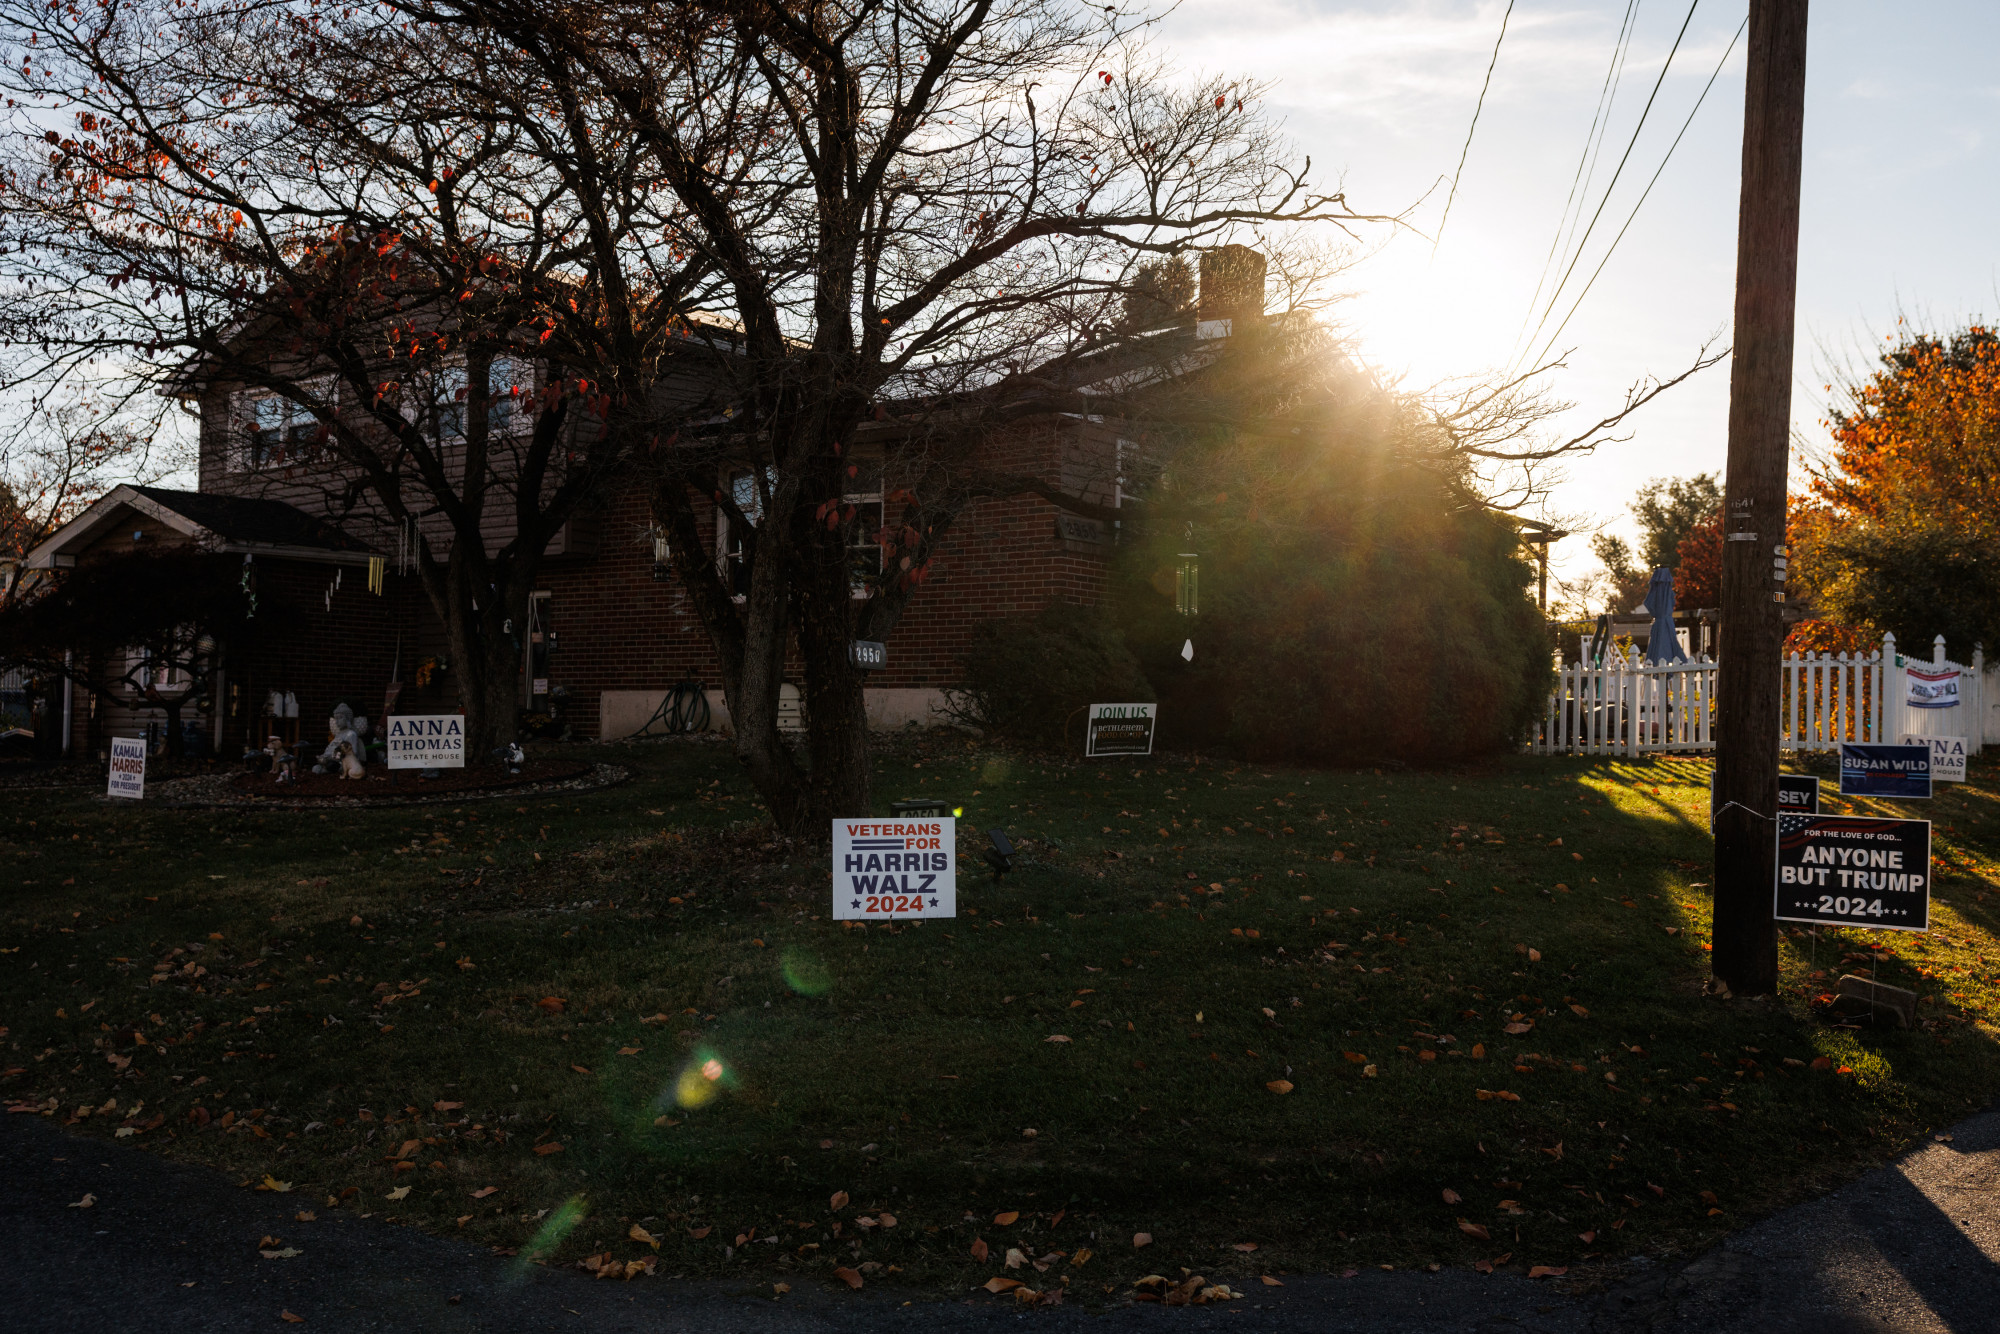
x=1354, y=604
x=1027, y=677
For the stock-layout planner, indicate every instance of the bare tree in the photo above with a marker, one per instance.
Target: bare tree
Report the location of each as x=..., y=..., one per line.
x=59, y=456
x=750, y=239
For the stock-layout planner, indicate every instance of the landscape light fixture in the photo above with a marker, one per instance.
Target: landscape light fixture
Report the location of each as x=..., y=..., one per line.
x=1001, y=855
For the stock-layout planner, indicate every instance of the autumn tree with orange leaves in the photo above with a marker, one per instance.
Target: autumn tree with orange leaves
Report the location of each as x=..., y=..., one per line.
x=1902, y=531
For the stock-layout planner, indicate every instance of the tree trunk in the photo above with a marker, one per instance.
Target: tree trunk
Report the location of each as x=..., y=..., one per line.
x=840, y=782
x=176, y=742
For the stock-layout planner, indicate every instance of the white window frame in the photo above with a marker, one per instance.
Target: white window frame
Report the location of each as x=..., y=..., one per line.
x=294, y=424
x=862, y=544
x=740, y=480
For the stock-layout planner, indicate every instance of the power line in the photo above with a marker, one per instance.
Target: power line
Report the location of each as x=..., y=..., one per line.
x=1648, y=190
x=1593, y=138
x=1626, y=157
x=1476, y=108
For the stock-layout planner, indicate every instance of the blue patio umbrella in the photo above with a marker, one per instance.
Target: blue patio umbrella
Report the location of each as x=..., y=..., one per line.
x=1663, y=645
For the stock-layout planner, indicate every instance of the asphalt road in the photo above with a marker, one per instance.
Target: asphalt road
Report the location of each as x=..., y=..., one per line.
x=1912, y=1247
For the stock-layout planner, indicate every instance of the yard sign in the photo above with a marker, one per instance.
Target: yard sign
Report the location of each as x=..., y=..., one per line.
x=426, y=741
x=1119, y=729
x=1798, y=793
x=1885, y=771
x=128, y=767
x=1846, y=870
x=891, y=869
x=1947, y=756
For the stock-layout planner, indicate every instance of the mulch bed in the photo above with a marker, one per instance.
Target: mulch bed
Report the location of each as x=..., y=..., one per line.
x=380, y=783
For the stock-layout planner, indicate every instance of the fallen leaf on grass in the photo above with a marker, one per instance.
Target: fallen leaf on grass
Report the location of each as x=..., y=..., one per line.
x=305, y=1216
x=446, y=1106
x=85, y=1202
x=483, y=1192
x=661, y=1019
x=1474, y=1230
x=1279, y=1086
x=553, y=1004
x=1270, y=1282
x=699, y=1232
x=980, y=1250
x=1056, y=1037
x=838, y=1202
x=630, y=1051
x=286, y=1253
x=410, y=1146
x=1014, y=1258
x=1000, y=1285
x=639, y=1234
x=272, y=1183
x=1822, y=1063
x=780, y=1289
x=1140, y=1239
x=291, y=1319
x=1548, y=1271
x=399, y=1193
x=1243, y=1246
x=1082, y=1257
x=1517, y=1029
x=1006, y=1219
x=580, y=1069
x=553, y=1146
x=850, y=1277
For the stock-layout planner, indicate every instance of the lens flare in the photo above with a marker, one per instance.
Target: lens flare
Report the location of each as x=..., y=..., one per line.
x=804, y=972
x=550, y=1234
x=700, y=1080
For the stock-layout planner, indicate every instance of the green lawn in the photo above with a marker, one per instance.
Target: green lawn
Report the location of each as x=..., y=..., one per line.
x=1223, y=1005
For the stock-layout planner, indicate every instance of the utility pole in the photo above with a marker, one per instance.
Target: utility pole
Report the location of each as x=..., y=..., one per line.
x=1745, y=954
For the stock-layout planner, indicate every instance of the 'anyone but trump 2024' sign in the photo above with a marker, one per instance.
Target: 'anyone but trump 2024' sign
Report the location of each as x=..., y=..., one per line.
x=891, y=869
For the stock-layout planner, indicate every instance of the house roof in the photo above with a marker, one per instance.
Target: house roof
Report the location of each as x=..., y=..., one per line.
x=251, y=524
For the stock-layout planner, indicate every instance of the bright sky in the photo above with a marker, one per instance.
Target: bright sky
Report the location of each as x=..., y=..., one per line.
x=1900, y=189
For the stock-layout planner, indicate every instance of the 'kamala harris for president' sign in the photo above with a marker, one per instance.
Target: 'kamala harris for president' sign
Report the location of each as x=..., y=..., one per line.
x=886, y=869
x=426, y=741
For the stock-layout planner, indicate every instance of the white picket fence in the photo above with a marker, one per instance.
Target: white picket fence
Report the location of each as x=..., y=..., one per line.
x=1630, y=707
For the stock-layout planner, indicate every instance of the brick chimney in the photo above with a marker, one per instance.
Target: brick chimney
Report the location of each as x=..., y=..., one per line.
x=1232, y=288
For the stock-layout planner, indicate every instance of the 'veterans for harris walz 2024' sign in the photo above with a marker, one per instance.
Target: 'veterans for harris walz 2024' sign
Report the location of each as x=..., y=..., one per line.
x=1853, y=871
x=426, y=741
x=885, y=869
x=1885, y=771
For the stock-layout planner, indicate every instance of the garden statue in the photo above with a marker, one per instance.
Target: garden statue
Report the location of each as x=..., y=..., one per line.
x=350, y=763
x=343, y=728
x=284, y=764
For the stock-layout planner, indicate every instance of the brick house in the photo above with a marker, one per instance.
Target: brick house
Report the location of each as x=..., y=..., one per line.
x=610, y=631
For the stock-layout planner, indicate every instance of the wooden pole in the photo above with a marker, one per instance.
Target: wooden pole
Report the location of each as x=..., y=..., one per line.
x=1745, y=955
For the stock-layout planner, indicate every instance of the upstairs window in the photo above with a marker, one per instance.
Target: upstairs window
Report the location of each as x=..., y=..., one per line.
x=508, y=381
x=276, y=432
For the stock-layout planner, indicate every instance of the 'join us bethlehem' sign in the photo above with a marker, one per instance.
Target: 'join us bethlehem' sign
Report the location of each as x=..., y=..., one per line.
x=889, y=869
x=426, y=741
x=1119, y=729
